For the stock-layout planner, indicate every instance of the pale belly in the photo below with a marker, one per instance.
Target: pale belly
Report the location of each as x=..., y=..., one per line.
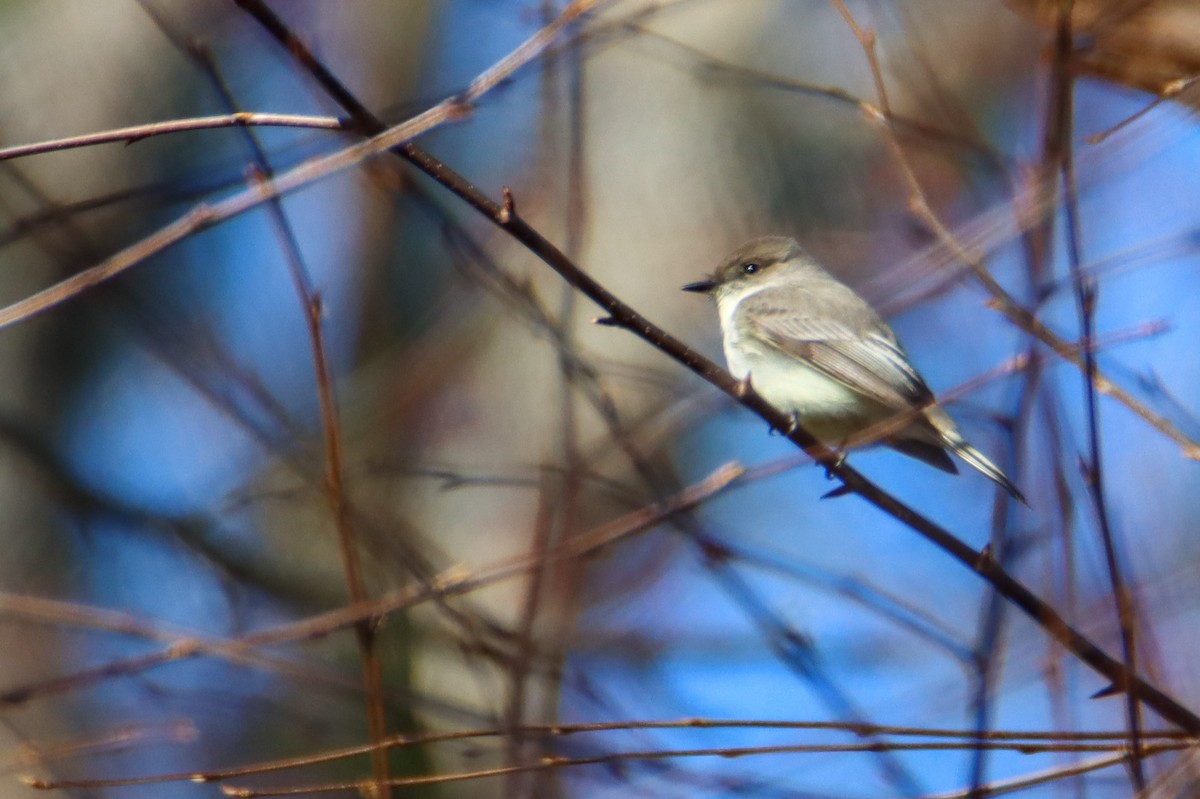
x=826, y=408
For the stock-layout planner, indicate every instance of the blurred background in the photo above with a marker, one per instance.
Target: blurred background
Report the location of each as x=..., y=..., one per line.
x=182, y=513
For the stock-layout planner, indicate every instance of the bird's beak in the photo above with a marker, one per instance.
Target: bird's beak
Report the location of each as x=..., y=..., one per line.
x=701, y=286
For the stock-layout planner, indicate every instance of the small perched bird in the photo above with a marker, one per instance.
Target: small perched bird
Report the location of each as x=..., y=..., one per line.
x=813, y=348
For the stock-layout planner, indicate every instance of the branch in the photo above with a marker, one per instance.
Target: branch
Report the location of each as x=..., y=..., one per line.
x=241, y=119
x=1001, y=300
x=504, y=215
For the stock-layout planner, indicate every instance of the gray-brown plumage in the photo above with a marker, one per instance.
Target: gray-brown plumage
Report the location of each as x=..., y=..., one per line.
x=813, y=348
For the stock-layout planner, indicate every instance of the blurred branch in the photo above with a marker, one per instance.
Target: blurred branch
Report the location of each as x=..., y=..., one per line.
x=116, y=738
x=1172, y=90
x=334, y=471
x=1025, y=742
x=456, y=581
x=1043, y=777
x=557, y=762
x=755, y=78
x=1001, y=299
x=1059, y=159
x=504, y=215
x=203, y=217
x=382, y=138
x=1151, y=45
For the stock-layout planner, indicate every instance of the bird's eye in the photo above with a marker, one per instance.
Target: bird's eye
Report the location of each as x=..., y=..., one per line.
x=750, y=268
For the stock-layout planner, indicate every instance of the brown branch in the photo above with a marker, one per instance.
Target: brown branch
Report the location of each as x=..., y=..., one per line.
x=767, y=80
x=203, y=216
x=334, y=470
x=623, y=315
x=1001, y=299
x=1169, y=92
x=1026, y=741
x=1013, y=784
x=557, y=762
x=1061, y=158
x=559, y=509
x=968, y=742
x=33, y=753
x=1057, y=157
x=620, y=314
x=453, y=582
x=335, y=491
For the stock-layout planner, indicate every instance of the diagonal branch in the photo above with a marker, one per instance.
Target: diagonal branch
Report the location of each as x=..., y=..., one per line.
x=1001, y=299
x=504, y=215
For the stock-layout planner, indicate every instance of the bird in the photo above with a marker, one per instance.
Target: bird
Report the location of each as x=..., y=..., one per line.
x=812, y=347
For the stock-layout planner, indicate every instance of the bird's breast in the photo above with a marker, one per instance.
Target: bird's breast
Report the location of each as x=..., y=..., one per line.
x=826, y=407
x=789, y=383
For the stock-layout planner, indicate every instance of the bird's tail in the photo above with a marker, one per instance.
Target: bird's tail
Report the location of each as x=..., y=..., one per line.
x=977, y=459
x=949, y=437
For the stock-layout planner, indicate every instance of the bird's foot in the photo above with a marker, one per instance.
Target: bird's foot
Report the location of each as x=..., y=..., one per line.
x=793, y=423
x=831, y=467
x=839, y=458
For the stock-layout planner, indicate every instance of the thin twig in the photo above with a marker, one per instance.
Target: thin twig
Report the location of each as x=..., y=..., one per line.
x=1013, y=784
x=1086, y=293
x=1024, y=741
x=1057, y=149
x=622, y=315
x=136, y=133
x=557, y=762
x=1001, y=299
x=1169, y=92
x=203, y=217
x=334, y=471
x=450, y=583
x=36, y=753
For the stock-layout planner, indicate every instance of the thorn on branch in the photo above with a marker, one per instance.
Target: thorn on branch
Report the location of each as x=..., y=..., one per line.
x=458, y=107
x=839, y=457
x=1088, y=294
x=840, y=491
x=985, y=560
x=508, y=210
x=606, y=321
x=872, y=112
x=201, y=217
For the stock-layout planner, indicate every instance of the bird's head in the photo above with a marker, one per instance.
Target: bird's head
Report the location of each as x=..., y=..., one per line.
x=750, y=264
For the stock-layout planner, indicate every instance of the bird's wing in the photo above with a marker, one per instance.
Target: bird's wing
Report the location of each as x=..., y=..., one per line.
x=862, y=353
